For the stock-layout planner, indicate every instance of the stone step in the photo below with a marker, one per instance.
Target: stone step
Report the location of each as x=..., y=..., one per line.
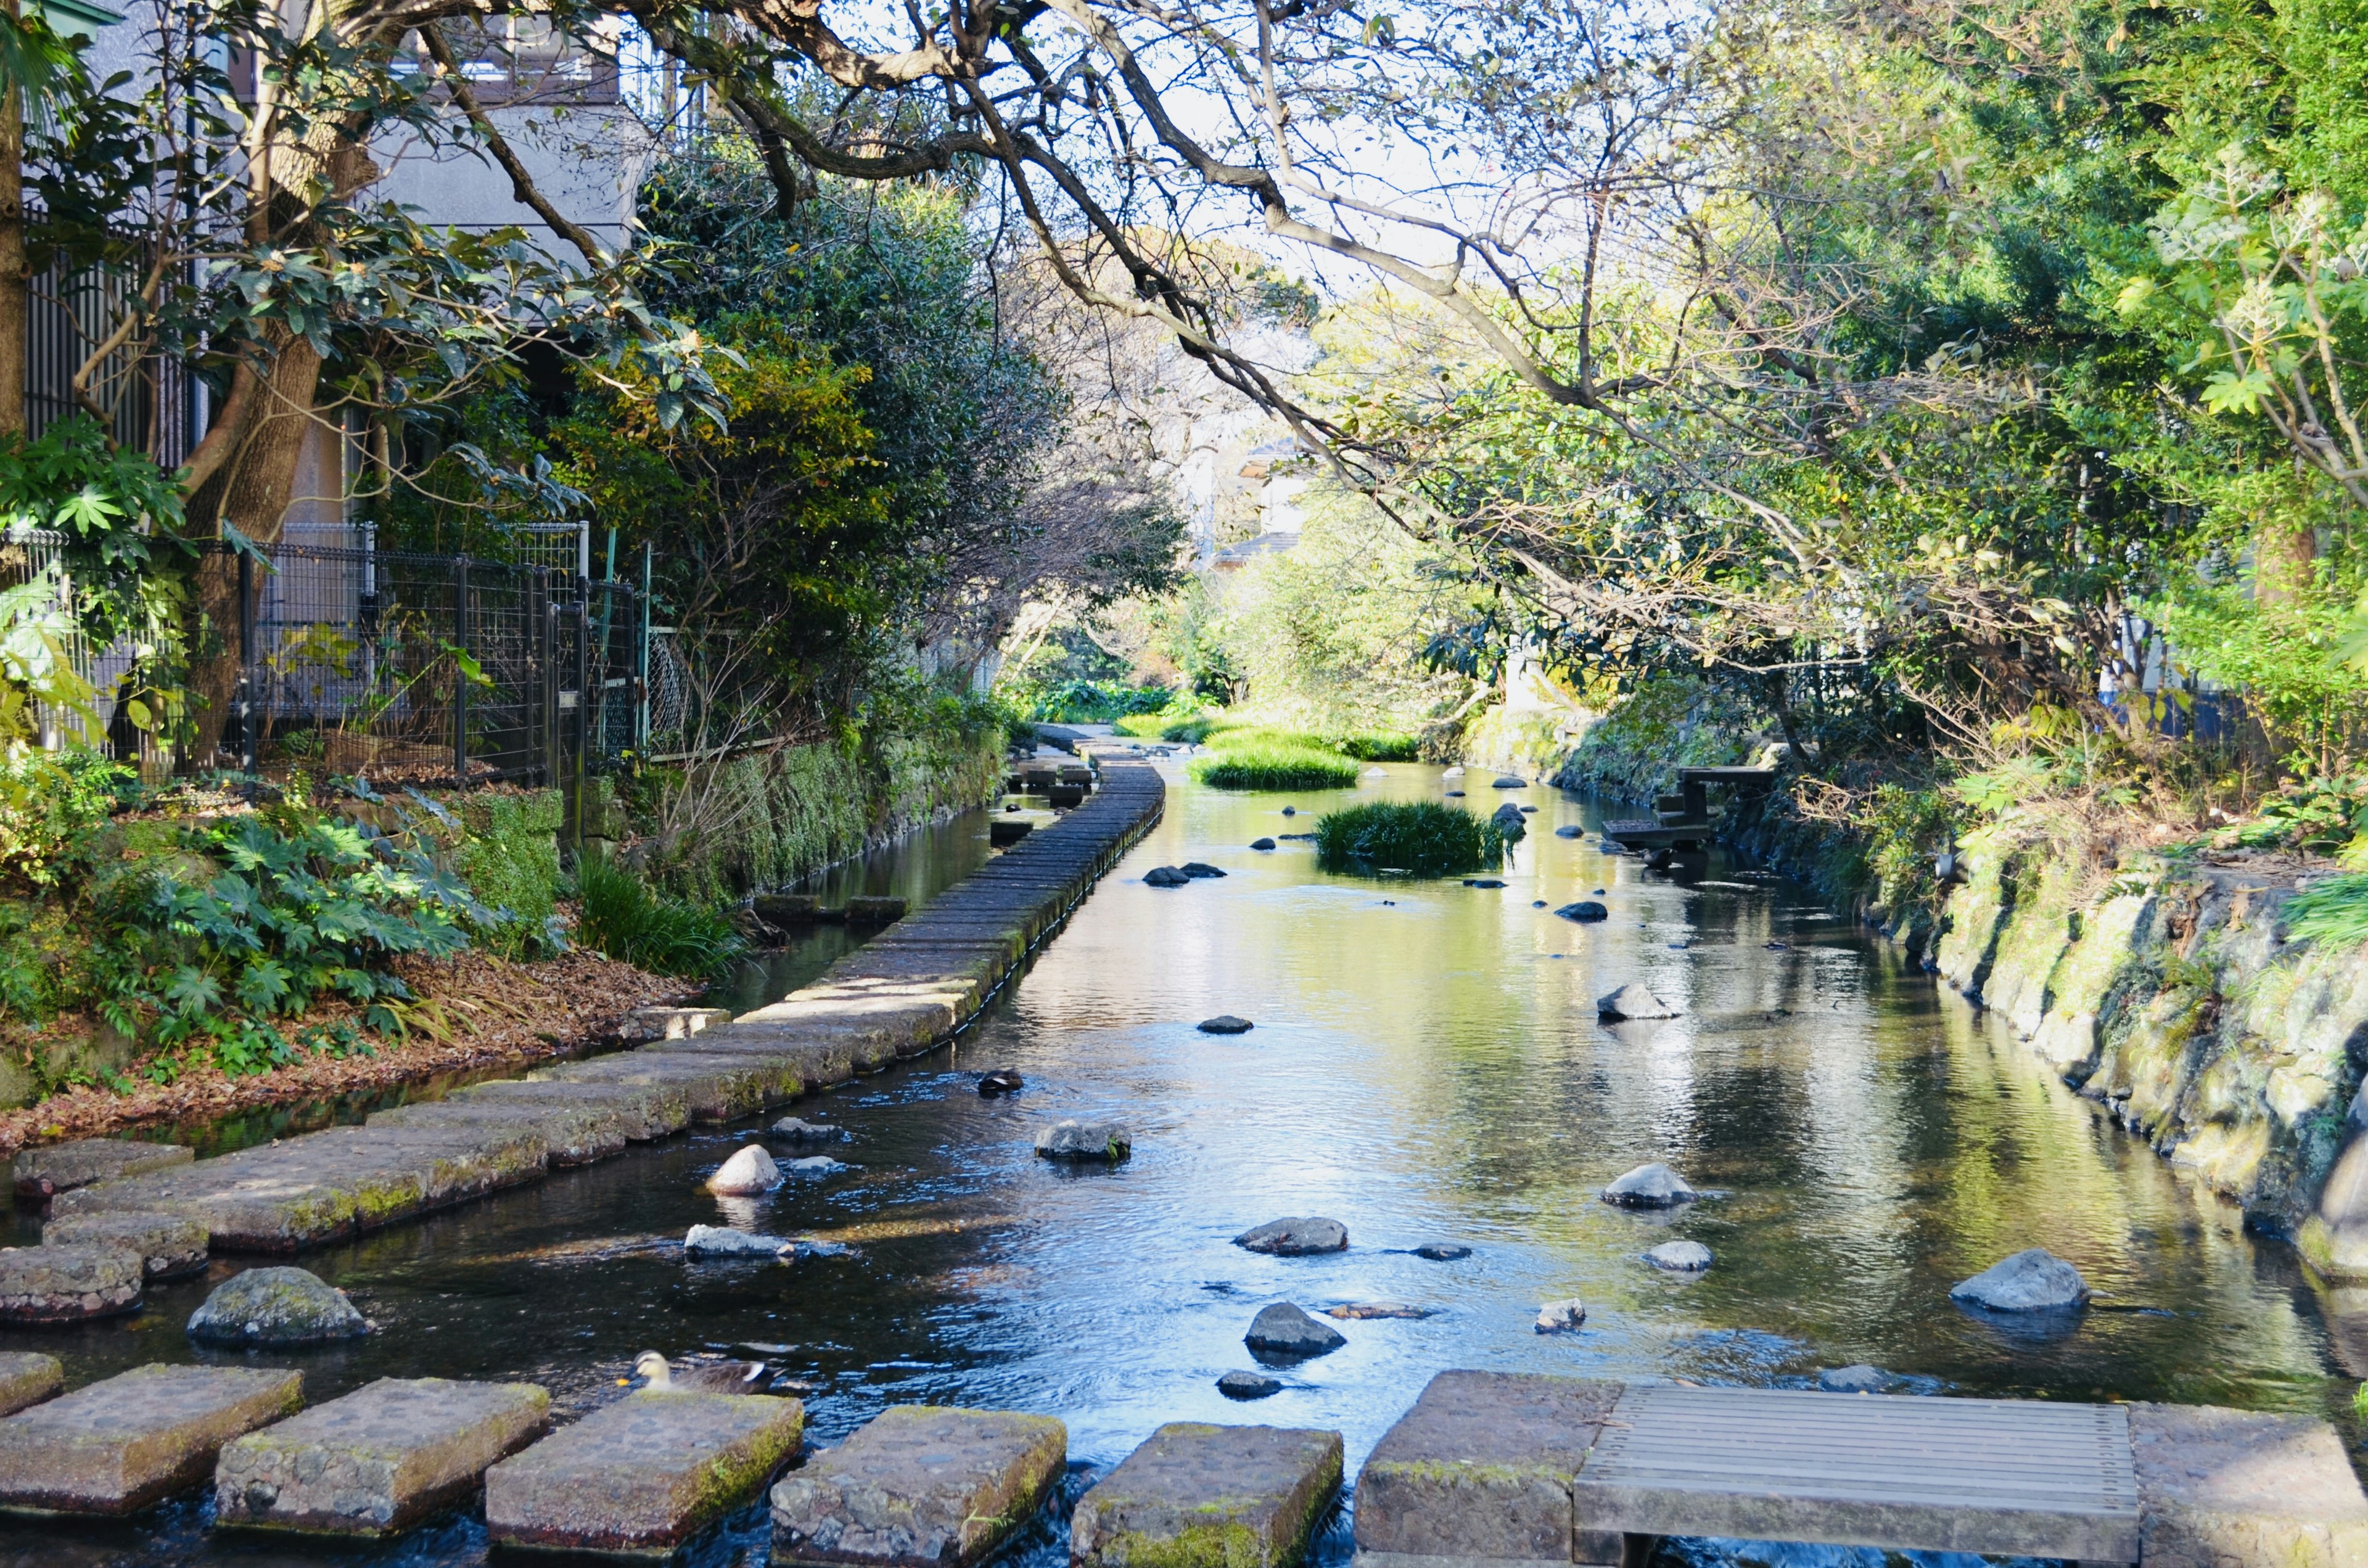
x=1199, y=1496
x=26, y=1377
x=919, y=1485
x=43, y=1174
x=378, y=1461
x=116, y=1447
x=68, y=1284
x=643, y=1475
x=171, y=1247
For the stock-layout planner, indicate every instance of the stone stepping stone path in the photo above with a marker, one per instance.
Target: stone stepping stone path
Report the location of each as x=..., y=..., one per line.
x=919, y=1484
x=117, y=1446
x=26, y=1377
x=643, y=1475
x=43, y=1174
x=380, y=1460
x=1202, y=1496
x=1481, y=1468
x=68, y=1284
x=171, y=1247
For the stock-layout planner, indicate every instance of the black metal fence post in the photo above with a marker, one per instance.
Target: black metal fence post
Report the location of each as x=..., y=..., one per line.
x=581, y=767
x=250, y=744
x=544, y=610
x=459, y=672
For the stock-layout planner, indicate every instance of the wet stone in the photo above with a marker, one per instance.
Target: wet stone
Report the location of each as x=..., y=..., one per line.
x=1679, y=1257
x=1261, y=843
x=1649, y=1187
x=2034, y=1280
x=276, y=1307
x=645, y=1111
x=1198, y=869
x=44, y=1173
x=1632, y=1001
x=716, y=1241
x=1298, y=1237
x=26, y=1377
x=1085, y=1140
x=644, y=1473
x=746, y=1174
x=1225, y=1023
x=1003, y=1081
x=1565, y=1316
x=1362, y=1312
x=1480, y=1468
x=117, y=1446
x=919, y=1485
x=575, y=1132
x=1165, y=876
x=378, y=1461
x=1202, y=1496
x=2219, y=1486
x=1283, y=1330
x=171, y=1247
x=68, y=1284
x=1248, y=1385
x=1585, y=912
x=1443, y=1252
x=1858, y=1378
x=792, y=1130
x=1569, y=831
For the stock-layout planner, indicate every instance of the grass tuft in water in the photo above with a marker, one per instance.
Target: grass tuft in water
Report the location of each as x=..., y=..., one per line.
x=1381, y=746
x=2332, y=912
x=1274, y=765
x=1423, y=837
x=626, y=918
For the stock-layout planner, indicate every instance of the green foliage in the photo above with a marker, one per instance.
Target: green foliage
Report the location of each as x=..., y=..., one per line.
x=1382, y=746
x=1095, y=702
x=51, y=803
x=510, y=861
x=2331, y=912
x=626, y=918
x=1264, y=764
x=1423, y=838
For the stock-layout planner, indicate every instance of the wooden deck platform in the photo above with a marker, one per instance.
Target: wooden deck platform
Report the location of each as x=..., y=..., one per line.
x=1682, y=820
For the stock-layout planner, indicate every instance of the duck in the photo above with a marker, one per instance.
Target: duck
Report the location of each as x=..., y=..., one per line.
x=701, y=1376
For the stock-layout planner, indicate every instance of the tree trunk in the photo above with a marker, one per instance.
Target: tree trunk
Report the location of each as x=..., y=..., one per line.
x=2284, y=564
x=13, y=277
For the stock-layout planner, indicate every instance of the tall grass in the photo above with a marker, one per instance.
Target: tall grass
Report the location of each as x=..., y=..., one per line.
x=1381, y=746
x=1272, y=764
x=2332, y=912
x=1423, y=837
x=626, y=918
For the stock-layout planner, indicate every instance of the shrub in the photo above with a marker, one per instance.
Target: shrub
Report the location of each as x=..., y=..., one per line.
x=49, y=806
x=2332, y=911
x=1096, y=702
x=1268, y=765
x=1381, y=746
x=1423, y=837
x=626, y=918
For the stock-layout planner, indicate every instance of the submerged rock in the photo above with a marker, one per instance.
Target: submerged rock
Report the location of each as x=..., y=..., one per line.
x=1860, y=1378
x=1632, y=1001
x=1002, y=1081
x=1455, y=794
x=746, y=1174
x=1261, y=843
x=1165, y=876
x=1561, y=1317
x=1295, y=1237
x=1358, y=1312
x=1443, y=1252
x=2035, y=1280
x=719, y=1241
x=1483, y=882
x=1199, y=869
x=1568, y=831
x=815, y=1166
x=1585, y=911
x=1679, y=1257
x=275, y=1306
x=1508, y=781
x=1649, y=1187
x=1291, y=811
x=791, y=1130
x=1225, y=1023
x=1284, y=1330
x=1248, y=1385
x=1085, y=1140
x=1507, y=818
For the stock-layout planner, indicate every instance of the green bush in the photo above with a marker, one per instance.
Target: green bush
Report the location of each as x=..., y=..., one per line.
x=626, y=918
x=49, y=806
x=1267, y=765
x=1097, y=701
x=2332, y=911
x=1423, y=837
x=1382, y=746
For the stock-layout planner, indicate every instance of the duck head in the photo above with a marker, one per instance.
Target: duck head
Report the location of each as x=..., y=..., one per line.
x=652, y=1368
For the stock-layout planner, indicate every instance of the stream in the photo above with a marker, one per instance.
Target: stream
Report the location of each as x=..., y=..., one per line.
x=1427, y=1065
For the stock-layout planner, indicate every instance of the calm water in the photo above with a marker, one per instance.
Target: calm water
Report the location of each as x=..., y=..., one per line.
x=1427, y=1065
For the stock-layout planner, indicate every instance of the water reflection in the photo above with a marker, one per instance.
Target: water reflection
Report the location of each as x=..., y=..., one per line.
x=1426, y=1065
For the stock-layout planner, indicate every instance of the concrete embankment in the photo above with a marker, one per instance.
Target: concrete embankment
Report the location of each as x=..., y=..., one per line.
x=914, y=985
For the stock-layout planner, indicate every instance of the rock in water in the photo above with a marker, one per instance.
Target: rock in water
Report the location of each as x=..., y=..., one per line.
x=1561, y=1317
x=1483, y=882
x=796, y=1131
x=1198, y=869
x=716, y=1241
x=1002, y=1081
x=1508, y=781
x=1860, y=1379
x=1164, y=877
x=746, y=1174
x=1248, y=1385
x=1632, y=1001
x=1284, y=1330
x=1443, y=1252
x=1085, y=1140
x=816, y=1166
x=1507, y=818
x=1584, y=910
x=275, y=1307
x=1568, y=831
x=1358, y=1312
x=1455, y=794
x=1679, y=1257
x=1295, y=1237
x=2032, y=1282
x=1291, y=811
x=1649, y=1187
x=1261, y=843
x=1225, y=1023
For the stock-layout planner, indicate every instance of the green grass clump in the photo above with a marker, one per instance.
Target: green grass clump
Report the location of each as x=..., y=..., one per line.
x=1142, y=726
x=2333, y=912
x=627, y=919
x=1267, y=765
x=1423, y=837
x=1381, y=746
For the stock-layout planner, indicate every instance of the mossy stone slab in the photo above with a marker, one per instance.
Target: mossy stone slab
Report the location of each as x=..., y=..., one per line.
x=2220, y=1487
x=643, y=1475
x=68, y=1284
x=1480, y=1469
x=574, y=1132
x=117, y=1446
x=26, y=1377
x=1200, y=1496
x=650, y=1111
x=378, y=1461
x=920, y=1485
x=44, y=1173
x=171, y=1247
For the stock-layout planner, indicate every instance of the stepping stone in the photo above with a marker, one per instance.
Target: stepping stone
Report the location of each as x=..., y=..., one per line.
x=1202, y=1496
x=68, y=1284
x=378, y=1461
x=2219, y=1486
x=116, y=1447
x=1679, y=1257
x=1299, y=1237
x=26, y=1377
x=44, y=1173
x=577, y=1132
x=919, y=1485
x=647, y=1111
x=1649, y=1187
x=1225, y=1023
x=1480, y=1468
x=171, y=1247
x=1248, y=1385
x=1284, y=1330
x=642, y=1474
